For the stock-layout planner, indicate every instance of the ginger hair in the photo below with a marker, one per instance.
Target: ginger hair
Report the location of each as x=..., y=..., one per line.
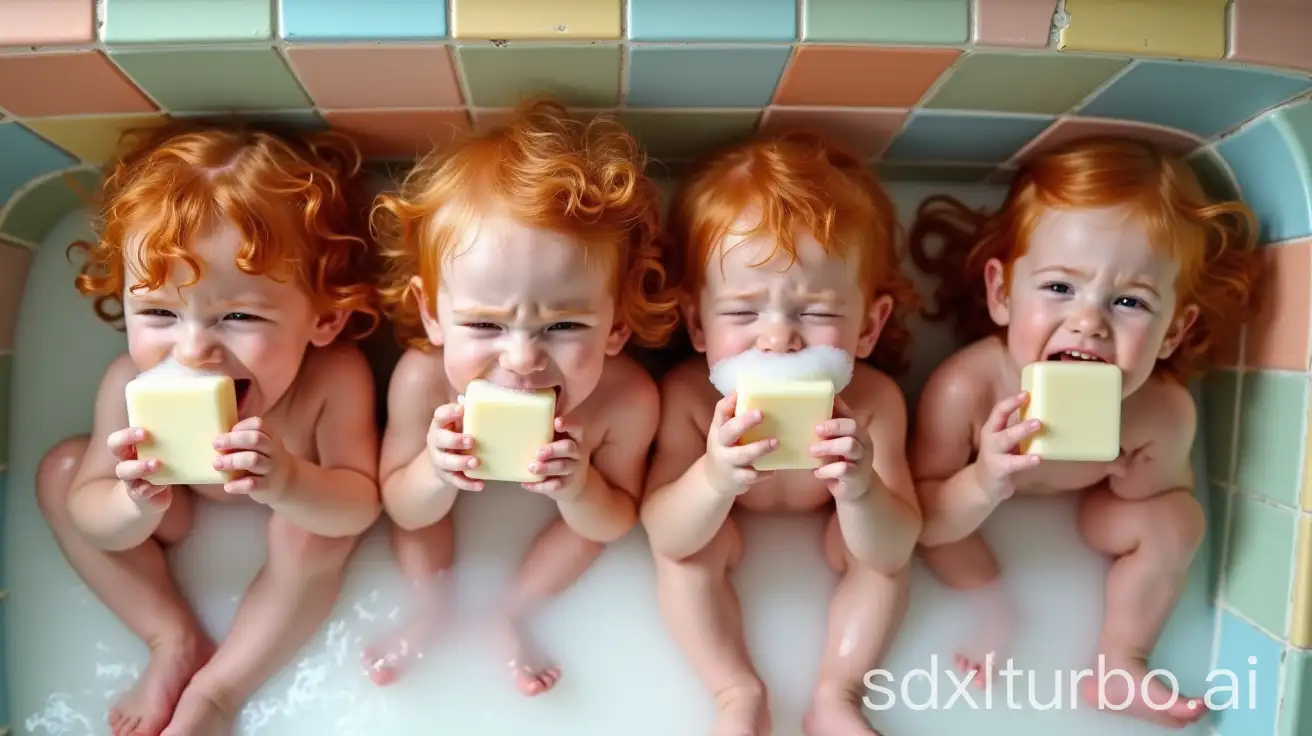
x=798, y=182
x=294, y=199
x=544, y=169
x=1214, y=243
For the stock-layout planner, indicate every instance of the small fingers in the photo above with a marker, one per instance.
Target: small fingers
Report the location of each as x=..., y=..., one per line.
x=1012, y=464
x=550, y=485
x=840, y=427
x=1003, y=410
x=748, y=477
x=553, y=468
x=145, y=492
x=132, y=470
x=444, y=439
x=1008, y=439
x=244, y=439
x=449, y=415
x=741, y=456
x=453, y=463
x=123, y=443
x=251, y=462
x=724, y=409
x=733, y=430
x=462, y=481
x=564, y=449
x=836, y=470
x=847, y=448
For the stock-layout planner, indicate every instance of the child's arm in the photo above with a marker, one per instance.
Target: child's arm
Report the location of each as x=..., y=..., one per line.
x=1163, y=442
x=414, y=493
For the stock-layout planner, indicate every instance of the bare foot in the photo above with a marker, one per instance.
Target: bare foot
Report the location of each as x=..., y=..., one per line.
x=199, y=713
x=146, y=708
x=388, y=657
x=995, y=614
x=1155, y=703
x=836, y=715
x=742, y=711
x=534, y=673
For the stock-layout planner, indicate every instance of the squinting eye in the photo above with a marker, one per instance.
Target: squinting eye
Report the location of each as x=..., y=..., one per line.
x=565, y=326
x=480, y=326
x=155, y=313
x=240, y=317
x=819, y=314
x=1057, y=287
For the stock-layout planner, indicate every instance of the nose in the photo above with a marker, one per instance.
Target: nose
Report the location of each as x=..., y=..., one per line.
x=522, y=355
x=779, y=337
x=1089, y=321
x=196, y=349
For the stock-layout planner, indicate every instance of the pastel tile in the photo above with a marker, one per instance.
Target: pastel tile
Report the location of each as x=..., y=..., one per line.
x=46, y=23
x=1019, y=23
x=686, y=135
x=1296, y=706
x=345, y=78
x=583, y=76
x=353, y=20
x=486, y=119
x=853, y=76
x=1271, y=32
x=696, y=76
x=92, y=139
x=1218, y=524
x=712, y=20
x=34, y=213
x=1270, y=161
x=1069, y=130
x=536, y=19
x=67, y=83
x=1272, y=414
x=1204, y=99
x=894, y=172
x=1300, y=618
x=1219, y=411
x=868, y=132
x=14, y=262
x=1260, y=562
x=1190, y=29
x=399, y=133
x=887, y=21
x=27, y=156
x=213, y=80
x=1277, y=337
x=1213, y=173
x=6, y=372
x=193, y=21
x=1004, y=81
x=932, y=136
x=297, y=120
x=1245, y=680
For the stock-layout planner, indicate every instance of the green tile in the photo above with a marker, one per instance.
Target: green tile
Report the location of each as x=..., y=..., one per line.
x=683, y=136
x=215, y=80
x=1296, y=705
x=1004, y=81
x=1269, y=459
x=930, y=173
x=1260, y=562
x=887, y=21
x=41, y=208
x=1218, y=518
x=1218, y=415
x=1213, y=174
x=173, y=21
x=6, y=370
x=579, y=76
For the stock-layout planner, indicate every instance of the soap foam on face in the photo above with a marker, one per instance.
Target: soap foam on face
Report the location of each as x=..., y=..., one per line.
x=819, y=362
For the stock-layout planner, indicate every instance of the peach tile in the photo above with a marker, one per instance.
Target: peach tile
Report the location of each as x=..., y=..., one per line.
x=851, y=76
x=46, y=22
x=1300, y=624
x=1067, y=130
x=14, y=261
x=67, y=83
x=1271, y=32
x=536, y=19
x=377, y=76
x=1188, y=29
x=402, y=133
x=867, y=131
x=1023, y=23
x=1277, y=338
x=92, y=139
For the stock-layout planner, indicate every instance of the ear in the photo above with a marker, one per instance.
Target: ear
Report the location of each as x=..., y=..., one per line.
x=692, y=317
x=427, y=313
x=327, y=327
x=617, y=338
x=872, y=326
x=1180, y=326
x=995, y=290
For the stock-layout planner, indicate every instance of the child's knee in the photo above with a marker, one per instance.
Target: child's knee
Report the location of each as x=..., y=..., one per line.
x=54, y=475
x=724, y=551
x=315, y=553
x=1176, y=520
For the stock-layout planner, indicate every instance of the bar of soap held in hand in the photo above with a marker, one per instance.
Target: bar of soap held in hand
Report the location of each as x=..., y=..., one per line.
x=508, y=427
x=182, y=411
x=1079, y=404
x=790, y=411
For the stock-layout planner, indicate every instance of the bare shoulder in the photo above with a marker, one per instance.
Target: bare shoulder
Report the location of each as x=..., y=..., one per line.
x=118, y=373
x=873, y=392
x=626, y=391
x=1161, y=409
x=686, y=391
x=336, y=365
x=967, y=379
x=420, y=371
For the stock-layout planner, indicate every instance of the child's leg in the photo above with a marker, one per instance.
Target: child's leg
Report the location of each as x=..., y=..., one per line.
x=284, y=606
x=1153, y=541
x=137, y=587
x=425, y=557
x=556, y=559
x=700, y=609
x=969, y=565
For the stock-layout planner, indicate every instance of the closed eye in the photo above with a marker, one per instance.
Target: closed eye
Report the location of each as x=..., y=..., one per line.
x=241, y=317
x=566, y=326
x=825, y=315
x=481, y=326
x=155, y=313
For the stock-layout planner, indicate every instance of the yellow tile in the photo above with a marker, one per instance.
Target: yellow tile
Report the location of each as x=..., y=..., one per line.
x=1191, y=29
x=93, y=140
x=537, y=19
x=1300, y=622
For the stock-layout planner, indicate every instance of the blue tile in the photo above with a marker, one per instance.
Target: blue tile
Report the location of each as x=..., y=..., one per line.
x=712, y=20
x=969, y=138
x=1270, y=164
x=26, y=156
x=704, y=77
x=341, y=20
x=1244, y=686
x=1204, y=99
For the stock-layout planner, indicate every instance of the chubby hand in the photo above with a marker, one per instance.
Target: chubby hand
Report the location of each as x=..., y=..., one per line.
x=265, y=465
x=132, y=471
x=561, y=463
x=998, y=462
x=729, y=464
x=447, y=448
x=845, y=448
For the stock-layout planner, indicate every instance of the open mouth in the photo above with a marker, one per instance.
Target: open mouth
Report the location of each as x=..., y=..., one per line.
x=1076, y=355
x=242, y=387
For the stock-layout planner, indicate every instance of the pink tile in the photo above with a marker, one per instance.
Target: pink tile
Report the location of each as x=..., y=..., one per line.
x=372, y=77
x=856, y=76
x=1271, y=32
x=1022, y=23
x=46, y=22
x=13, y=275
x=867, y=131
x=67, y=83
x=1277, y=338
x=402, y=133
x=1069, y=129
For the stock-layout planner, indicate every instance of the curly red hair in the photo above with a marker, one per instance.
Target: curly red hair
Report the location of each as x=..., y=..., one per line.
x=546, y=170
x=294, y=198
x=798, y=180
x=1215, y=243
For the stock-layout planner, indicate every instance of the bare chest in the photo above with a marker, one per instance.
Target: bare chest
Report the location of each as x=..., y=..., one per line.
x=787, y=490
x=1061, y=477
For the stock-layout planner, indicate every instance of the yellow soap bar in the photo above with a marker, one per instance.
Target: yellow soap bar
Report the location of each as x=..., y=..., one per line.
x=182, y=414
x=790, y=411
x=508, y=428
x=1080, y=406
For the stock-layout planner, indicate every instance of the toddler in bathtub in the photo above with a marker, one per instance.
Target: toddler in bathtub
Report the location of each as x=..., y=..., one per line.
x=784, y=250
x=525, y=257
x=1106, y=250
x=238, y=252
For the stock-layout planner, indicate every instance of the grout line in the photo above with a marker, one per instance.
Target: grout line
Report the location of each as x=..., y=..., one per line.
x=1242, y=617
x=7, y=208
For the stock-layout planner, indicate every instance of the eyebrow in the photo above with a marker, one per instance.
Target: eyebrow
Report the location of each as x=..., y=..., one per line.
x=828, y=295
x=742, y=296
x=509, y=314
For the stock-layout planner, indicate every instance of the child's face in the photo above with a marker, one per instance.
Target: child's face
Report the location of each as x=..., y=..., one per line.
x=778, y=307
x=520, y=307
x=1091, y=286
x=252, y=328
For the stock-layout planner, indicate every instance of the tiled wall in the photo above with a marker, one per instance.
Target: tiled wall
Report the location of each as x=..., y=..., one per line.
x=952, y=90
